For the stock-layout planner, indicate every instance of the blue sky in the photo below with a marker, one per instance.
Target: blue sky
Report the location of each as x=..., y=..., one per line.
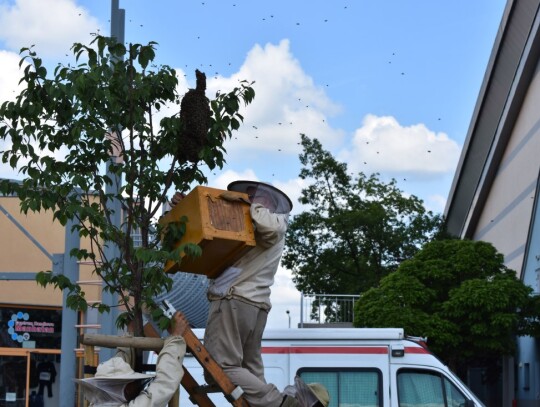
x=387, y=86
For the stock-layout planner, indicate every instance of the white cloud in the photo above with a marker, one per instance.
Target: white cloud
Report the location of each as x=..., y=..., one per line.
x=383, y=145
x=10, y=73
x=287, y=102
x=285, y=297
x=435, y=203
x=228, y=176
x=51, y=25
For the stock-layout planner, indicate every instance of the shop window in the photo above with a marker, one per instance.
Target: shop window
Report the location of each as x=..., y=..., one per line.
x=12, y=381
x=38, y=388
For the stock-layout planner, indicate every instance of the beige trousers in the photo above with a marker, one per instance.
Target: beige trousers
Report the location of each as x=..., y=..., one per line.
x=233, y=337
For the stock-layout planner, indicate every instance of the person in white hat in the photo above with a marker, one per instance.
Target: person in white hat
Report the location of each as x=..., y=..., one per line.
x=240, y=296
x=116, y=384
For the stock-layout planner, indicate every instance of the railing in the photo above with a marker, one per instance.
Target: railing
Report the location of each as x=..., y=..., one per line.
x=327, y=309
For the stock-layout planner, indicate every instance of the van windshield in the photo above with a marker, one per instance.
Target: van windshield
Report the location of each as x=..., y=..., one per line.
x=427, y=388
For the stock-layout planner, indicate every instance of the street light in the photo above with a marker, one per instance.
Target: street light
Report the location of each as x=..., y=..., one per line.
x=289, y=315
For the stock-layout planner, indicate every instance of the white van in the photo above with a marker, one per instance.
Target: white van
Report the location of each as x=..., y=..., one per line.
x=360, y=367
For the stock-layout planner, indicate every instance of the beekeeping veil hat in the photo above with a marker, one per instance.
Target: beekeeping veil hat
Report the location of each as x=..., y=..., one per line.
x=282, y=202
x=107, y=386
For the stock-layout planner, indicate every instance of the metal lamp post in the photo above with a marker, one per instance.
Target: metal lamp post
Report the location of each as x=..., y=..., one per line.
x=108, y=320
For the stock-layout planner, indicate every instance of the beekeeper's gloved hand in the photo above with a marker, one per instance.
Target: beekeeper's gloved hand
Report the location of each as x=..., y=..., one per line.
x=233, y=197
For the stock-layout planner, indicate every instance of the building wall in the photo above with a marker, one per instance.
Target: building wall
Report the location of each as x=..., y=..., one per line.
x=20, y=254
x=506, y=216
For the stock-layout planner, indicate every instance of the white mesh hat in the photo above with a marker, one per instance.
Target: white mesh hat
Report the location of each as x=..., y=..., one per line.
x=117, y=369
x=282, y=201
x=107, y=386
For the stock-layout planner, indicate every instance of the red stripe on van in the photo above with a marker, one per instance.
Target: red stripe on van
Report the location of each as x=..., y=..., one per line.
x=366, y=350
x=326, y=349
x=423, y=351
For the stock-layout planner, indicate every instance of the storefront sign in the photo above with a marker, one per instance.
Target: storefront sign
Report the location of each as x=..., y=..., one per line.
x=23, y=325
x=21, y=331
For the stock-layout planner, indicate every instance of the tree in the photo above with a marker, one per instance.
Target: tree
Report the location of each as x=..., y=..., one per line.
x=61, y=132
x=356, y=230
x=458, y=294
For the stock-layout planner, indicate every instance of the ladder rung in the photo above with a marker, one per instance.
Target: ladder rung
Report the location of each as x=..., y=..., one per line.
x=214, y=388
x=78, y=350
x=90, y=282
x=190, y=384
x=207, y=388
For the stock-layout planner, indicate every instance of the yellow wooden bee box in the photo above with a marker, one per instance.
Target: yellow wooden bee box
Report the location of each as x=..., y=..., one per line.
x=223, y=229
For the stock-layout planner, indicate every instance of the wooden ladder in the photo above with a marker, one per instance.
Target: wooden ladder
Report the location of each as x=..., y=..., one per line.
x=199, y=394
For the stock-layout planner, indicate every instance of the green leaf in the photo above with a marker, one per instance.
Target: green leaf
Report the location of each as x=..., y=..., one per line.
x=146, y=55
